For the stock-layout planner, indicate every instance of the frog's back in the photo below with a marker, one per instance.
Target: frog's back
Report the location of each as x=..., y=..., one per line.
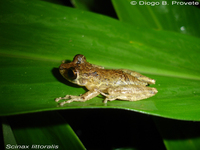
x=114, y=78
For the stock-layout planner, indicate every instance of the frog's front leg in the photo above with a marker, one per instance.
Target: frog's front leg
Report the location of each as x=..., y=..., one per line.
x=129, y=93
x=82, y=98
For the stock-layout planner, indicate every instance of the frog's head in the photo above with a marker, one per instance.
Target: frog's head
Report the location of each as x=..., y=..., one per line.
x=72, y=71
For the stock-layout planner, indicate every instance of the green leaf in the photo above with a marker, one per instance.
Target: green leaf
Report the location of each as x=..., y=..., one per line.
x=43, y=131
x=179, y=134
x=7, y=133
x=36, y=37
x=178, y=16
x=83, y=4
x=98, y=6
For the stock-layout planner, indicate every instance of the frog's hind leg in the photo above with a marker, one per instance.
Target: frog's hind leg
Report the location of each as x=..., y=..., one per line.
x=129, y=93
x=108, y=97
x=139, y=76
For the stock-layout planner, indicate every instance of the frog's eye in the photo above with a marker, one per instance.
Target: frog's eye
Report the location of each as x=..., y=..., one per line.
x=79, y=59
x=72, y=73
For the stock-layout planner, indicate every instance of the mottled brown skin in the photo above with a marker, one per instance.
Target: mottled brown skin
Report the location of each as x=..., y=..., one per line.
x=113, y=84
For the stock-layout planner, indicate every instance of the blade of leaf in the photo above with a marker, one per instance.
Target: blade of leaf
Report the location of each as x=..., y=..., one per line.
x=32, y=49
x=44, y=130
x=98, y=6
x=8, y=136
x=160, y=15
x=144, y=49
x=179, y=134
x=84, y=5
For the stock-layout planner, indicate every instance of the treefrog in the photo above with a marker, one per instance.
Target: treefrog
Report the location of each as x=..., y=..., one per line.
x=114, y=84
